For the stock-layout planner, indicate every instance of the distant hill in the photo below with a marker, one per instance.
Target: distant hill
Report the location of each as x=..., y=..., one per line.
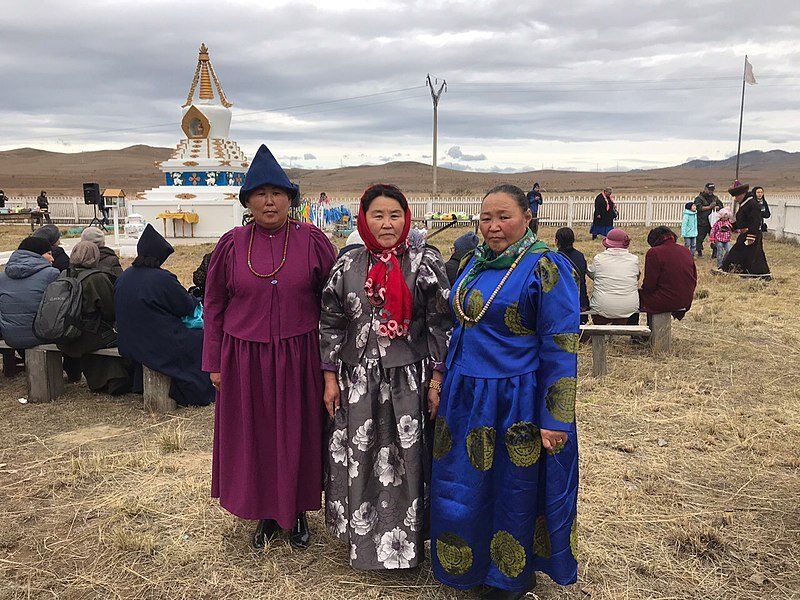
x=27, y=170
x=755, y=159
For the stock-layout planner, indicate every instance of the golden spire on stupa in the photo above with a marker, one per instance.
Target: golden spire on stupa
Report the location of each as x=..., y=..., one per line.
x=205, y=75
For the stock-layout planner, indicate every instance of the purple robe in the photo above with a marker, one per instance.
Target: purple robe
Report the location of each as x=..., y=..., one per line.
x=261, y=335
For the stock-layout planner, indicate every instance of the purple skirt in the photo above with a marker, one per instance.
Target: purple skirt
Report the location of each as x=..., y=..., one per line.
x=268, y=428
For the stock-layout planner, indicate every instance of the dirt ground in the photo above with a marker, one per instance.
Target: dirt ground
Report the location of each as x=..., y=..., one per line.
x=690, y=475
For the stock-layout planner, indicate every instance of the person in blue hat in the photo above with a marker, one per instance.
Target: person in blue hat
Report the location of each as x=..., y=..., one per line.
x=149, y=303
x=461, y=247
x=261, y=349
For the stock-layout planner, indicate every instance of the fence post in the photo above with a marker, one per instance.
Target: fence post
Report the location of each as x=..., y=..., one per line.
x=648, y=212
x=570, y=210
x=429, y=205
x=75, y=210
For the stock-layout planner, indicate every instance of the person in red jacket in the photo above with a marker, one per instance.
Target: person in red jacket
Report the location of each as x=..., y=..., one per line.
x=670, y=275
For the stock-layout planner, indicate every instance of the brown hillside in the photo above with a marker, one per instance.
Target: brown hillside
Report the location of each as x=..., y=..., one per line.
x=26, y=171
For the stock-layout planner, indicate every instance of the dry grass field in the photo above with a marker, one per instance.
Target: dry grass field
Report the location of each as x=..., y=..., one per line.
x=690, y=475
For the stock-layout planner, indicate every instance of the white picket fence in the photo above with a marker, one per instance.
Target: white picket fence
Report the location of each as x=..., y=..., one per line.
x=569, y=209
x=557, y=210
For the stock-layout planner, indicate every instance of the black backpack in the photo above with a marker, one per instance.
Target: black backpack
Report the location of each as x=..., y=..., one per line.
x=58, y=319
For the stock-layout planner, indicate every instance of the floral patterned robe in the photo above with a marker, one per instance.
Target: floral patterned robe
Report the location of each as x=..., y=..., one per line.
x=378, y=463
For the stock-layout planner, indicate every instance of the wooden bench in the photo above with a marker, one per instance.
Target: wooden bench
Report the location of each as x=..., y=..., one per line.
x=600, y=333
x=661, y=336
x=45, y=376
x=21, y=217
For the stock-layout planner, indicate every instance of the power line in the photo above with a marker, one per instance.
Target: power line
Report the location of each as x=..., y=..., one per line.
x=246, y=113
x=614, y=81
x=456, y=89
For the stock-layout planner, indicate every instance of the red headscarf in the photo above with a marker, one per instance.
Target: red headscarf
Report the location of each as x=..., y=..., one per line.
x=385, y=285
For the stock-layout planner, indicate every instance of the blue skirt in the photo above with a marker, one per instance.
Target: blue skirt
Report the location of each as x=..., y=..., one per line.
x=501, y=506
x=600, y=229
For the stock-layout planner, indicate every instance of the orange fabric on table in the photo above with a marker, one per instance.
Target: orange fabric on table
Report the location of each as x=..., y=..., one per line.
x=188, y=217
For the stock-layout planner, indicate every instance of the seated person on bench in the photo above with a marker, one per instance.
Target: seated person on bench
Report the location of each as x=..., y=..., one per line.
x=615, y=272
x=150, y=302
x=109, y=261
x=107, y=374
x=27, y=274
x=670, y=276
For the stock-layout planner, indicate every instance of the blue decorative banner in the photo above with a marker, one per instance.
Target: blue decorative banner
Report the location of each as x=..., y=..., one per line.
x=204, y=178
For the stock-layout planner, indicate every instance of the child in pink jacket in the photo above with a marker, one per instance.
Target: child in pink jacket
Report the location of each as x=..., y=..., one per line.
x=721, y=234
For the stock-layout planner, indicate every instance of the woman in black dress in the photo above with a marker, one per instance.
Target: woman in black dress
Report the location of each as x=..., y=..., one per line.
x=747, y=255
x=605, y=211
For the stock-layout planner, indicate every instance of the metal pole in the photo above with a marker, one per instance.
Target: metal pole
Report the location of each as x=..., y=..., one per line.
x=435, y=128
x=435, y=95
x=741, y=116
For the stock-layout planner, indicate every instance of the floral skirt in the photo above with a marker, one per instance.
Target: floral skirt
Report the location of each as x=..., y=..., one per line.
x=378, y=466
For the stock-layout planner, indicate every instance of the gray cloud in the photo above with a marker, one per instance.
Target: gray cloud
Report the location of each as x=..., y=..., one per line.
x=456, y=153
x=308, y=156
x=543, y=85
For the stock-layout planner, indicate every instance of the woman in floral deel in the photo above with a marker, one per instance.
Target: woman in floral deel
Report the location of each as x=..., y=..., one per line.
x=384, y=329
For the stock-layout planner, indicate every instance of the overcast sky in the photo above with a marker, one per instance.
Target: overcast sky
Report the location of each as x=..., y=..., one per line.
x=583, y=85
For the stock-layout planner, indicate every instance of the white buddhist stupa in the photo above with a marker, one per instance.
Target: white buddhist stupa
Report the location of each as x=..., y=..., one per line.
x=205, y=172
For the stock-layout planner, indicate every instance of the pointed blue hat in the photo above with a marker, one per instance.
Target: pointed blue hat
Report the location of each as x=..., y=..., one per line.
x=265, y=170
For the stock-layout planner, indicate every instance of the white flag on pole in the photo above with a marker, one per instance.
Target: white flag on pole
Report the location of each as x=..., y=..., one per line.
x=748, y=72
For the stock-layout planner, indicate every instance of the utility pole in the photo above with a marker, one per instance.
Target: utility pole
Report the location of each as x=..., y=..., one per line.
x=435, y=95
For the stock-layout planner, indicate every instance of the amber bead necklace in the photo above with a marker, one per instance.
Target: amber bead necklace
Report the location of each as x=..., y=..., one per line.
x=250, y=250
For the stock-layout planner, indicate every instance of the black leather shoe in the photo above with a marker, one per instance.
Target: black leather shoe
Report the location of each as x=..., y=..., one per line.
x=266, y=530
x=300, y=537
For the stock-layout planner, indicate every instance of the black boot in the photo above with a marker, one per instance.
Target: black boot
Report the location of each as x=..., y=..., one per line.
x=300, y=537
x=266, y=530
x=493, y=593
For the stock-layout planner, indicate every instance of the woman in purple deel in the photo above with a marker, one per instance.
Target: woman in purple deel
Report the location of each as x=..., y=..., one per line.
x=261, y=348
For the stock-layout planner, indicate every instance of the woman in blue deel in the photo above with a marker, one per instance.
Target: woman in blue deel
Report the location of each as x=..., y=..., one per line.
x=505, y=471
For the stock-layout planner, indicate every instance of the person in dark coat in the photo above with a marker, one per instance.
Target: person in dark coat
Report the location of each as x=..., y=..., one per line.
x=3, y=199
x=52, y=234
x=758, y=193
x=535, y=200
x=706, y=202
x=199, y=277
x=28, y=272
x=604, y=214
x=108, y=261
x=149, y=303
x=565, y=240
x=107, y=374
x=461, y=247
x=44, y=208
x=670, y=275
x=747, y=256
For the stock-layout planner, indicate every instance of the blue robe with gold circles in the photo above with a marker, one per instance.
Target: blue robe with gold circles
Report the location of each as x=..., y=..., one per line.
x=502, y=506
